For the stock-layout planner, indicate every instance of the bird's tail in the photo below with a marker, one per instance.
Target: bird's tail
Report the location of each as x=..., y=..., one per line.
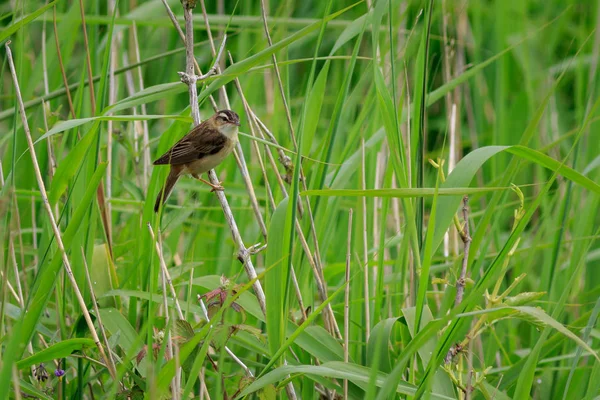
x=163, y=195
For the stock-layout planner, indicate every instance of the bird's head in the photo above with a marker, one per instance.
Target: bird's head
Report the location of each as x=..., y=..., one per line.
x=227, y=122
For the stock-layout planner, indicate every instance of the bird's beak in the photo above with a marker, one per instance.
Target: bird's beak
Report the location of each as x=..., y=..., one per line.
x=238, y=124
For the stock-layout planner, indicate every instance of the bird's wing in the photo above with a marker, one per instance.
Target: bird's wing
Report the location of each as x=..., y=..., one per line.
x=197, y=144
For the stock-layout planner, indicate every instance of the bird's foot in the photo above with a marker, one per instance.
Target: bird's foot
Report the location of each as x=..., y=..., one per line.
x=217, y=187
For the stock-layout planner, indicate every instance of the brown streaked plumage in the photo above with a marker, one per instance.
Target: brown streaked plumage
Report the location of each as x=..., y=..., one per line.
x=202, y=149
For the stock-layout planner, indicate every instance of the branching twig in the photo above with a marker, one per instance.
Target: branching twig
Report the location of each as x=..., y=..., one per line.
x=244, y=254
x=239, y=156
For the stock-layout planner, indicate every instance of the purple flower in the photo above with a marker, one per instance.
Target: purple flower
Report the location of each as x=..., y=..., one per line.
x=59, y=373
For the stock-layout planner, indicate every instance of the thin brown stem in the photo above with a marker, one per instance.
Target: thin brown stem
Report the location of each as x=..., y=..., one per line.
x=466, y=238
x=88, y=60
x=62, y=66
x=365, y=249
x=347, y=300
x=97, y=310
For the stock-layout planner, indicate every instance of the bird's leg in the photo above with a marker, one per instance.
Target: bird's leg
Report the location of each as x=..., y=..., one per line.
x=214, y=187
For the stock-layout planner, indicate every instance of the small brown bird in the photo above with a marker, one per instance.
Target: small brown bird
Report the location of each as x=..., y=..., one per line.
x=202, y=149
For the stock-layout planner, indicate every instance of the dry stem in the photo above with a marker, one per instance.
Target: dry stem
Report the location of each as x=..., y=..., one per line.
x=347, y=300
x=466, y=238
x=244, y=253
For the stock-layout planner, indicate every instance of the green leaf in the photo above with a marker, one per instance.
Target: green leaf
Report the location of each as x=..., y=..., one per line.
x=466, y=169
x=379, y=341
x=320, y=344
x=356, y=374
x=292, y=337
x=58, y=350
x=70, y=165
x=5, y=33
x=31, y=390
x=314, y=105
x=276, y=278
x=74, y=123
x=541, y=315
x=147, y=95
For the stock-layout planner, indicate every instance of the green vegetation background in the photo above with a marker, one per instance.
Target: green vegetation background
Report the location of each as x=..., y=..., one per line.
x=502, y=95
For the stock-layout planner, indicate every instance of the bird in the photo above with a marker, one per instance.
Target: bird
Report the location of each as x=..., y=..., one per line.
x=202, y=149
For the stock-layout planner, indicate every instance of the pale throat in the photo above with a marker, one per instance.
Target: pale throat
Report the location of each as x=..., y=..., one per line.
x=229, y=130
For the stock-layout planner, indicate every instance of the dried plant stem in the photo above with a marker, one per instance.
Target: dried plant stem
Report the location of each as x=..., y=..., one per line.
x=165, y=271
x=278, y=75
x=175, y=22
x=365, y=249
x=238, y=153
x=145, y=149
x=244, y=253
x=88, y=61
x=331, y=323
x=46, y=204
x=466, y=238
x=61, y=65
x=112, y=97
x=347, y=300
x=231, y=353
x=96, y=310
x=166, y=281
x=302, y=176
x=11, y=248
x=452, y=104
x=212, y=47
x=11, y=289
x=270, y=194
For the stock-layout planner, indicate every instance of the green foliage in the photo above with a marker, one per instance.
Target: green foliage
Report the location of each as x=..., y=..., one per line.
x=399, y=109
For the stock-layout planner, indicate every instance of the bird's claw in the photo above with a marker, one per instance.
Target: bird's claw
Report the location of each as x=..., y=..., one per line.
x=217, y=187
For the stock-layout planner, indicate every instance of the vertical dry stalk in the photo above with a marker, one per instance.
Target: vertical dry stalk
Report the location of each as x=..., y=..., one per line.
x=145, y=148
x=329, y=317
x=466, y=238
x=34, y=235
x=165, y=271
x=112, y=97
x=88, y=61
x=365, y=249
x=270, y=196
x=278, y=76
x=166, y=281
x=61, y=65
x=46, y=203
x=347, y=300
x=11, y=249
x=238, y=152
x=239, y=155
x=452, y=100
x=244, y=254
x=96, y=310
